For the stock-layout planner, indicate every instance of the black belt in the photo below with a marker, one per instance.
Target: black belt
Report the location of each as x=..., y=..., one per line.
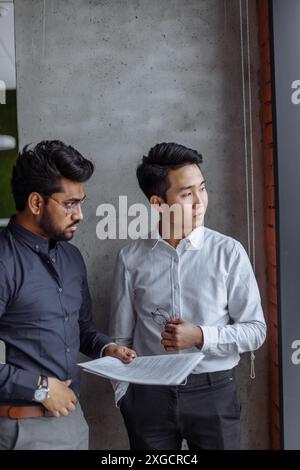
x=209, y=378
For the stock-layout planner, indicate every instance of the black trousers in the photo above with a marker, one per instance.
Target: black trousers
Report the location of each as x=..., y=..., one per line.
x=205, y=411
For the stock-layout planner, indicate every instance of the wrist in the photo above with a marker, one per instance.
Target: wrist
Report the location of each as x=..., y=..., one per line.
x=199, y=340
x=107, y=348
x=42, y=391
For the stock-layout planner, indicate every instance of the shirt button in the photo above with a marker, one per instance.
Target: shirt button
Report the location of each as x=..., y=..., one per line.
x=59, y=289
x=67, y=350
x=37, y=247
x=53, y=260
x=66, y=317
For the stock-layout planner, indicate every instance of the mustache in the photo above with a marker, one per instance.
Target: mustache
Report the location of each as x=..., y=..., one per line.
x=72, y=225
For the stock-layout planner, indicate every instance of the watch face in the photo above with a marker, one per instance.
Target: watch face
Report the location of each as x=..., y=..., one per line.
x=40, y=395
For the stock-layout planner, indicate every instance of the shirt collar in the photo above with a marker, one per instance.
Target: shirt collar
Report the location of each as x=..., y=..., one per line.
x=194, y=241
x=36, y=242
x=196, y=238
x=155, y=238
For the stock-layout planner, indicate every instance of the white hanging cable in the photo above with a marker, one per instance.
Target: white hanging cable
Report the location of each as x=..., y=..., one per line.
x=245, y=130
x=44, y=29
x=251, y=139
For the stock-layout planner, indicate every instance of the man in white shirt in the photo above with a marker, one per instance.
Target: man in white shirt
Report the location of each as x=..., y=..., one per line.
x=188, y=290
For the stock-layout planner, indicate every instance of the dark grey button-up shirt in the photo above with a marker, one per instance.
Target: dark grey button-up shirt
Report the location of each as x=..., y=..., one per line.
x=45, y=313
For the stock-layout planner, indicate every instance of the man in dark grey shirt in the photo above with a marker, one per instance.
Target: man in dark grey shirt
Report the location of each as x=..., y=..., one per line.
x=45, y=305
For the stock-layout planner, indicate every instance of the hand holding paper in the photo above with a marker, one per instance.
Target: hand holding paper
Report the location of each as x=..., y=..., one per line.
x=123, y=353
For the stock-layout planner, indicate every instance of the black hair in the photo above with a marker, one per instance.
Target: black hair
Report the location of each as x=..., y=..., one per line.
x=40, y=169
x=152, y=173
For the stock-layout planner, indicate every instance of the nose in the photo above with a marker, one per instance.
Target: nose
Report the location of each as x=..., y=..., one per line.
x=78, y=215
x=197, y=199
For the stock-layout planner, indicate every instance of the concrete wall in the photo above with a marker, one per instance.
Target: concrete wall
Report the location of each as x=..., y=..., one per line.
x=115, y=77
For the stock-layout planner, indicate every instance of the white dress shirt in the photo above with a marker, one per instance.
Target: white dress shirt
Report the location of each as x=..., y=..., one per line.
x=207, y=280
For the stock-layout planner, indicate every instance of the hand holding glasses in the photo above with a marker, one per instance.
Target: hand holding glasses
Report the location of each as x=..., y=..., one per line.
x=161, y=316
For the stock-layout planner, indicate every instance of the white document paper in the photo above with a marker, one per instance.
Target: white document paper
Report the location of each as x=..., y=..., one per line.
x=168, y=369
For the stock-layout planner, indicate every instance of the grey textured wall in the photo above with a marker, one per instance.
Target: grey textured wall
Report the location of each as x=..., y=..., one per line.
x=115, y=77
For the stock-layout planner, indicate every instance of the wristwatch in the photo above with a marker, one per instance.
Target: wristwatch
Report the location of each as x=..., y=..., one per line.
x=42, y=391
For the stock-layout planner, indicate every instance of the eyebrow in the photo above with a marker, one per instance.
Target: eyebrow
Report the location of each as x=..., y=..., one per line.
x=75, y=199
x=184, y=188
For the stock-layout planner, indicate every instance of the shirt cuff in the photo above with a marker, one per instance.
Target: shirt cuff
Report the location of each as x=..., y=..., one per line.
x=210, y=337
x=25, y=385
x=104, y=347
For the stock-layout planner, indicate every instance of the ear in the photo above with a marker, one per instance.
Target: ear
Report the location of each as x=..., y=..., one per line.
x=35, y=203
x=157, y=202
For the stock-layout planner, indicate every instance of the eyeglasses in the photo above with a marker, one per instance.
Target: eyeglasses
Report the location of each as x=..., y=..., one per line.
x=70, y=207
x=161, y=316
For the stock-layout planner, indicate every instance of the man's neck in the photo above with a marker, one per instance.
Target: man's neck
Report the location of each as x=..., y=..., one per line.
x=174, y=242
x=24, y=221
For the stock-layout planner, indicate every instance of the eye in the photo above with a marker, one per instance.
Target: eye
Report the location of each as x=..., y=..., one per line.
x=70, y=205
x=187, y=195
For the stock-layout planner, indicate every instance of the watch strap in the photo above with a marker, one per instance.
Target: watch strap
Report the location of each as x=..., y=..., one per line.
x=43, y=382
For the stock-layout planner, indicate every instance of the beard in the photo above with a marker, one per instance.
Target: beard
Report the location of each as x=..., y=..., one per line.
x=52, y=231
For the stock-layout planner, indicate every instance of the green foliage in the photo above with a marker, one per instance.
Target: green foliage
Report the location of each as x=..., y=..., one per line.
x=8, y=126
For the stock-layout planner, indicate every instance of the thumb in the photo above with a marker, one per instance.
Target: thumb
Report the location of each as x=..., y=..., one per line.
x=68, y=382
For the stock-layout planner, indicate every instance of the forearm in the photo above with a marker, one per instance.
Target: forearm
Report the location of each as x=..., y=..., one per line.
x=92, y=341
x=235, y=338
x=17, y=384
